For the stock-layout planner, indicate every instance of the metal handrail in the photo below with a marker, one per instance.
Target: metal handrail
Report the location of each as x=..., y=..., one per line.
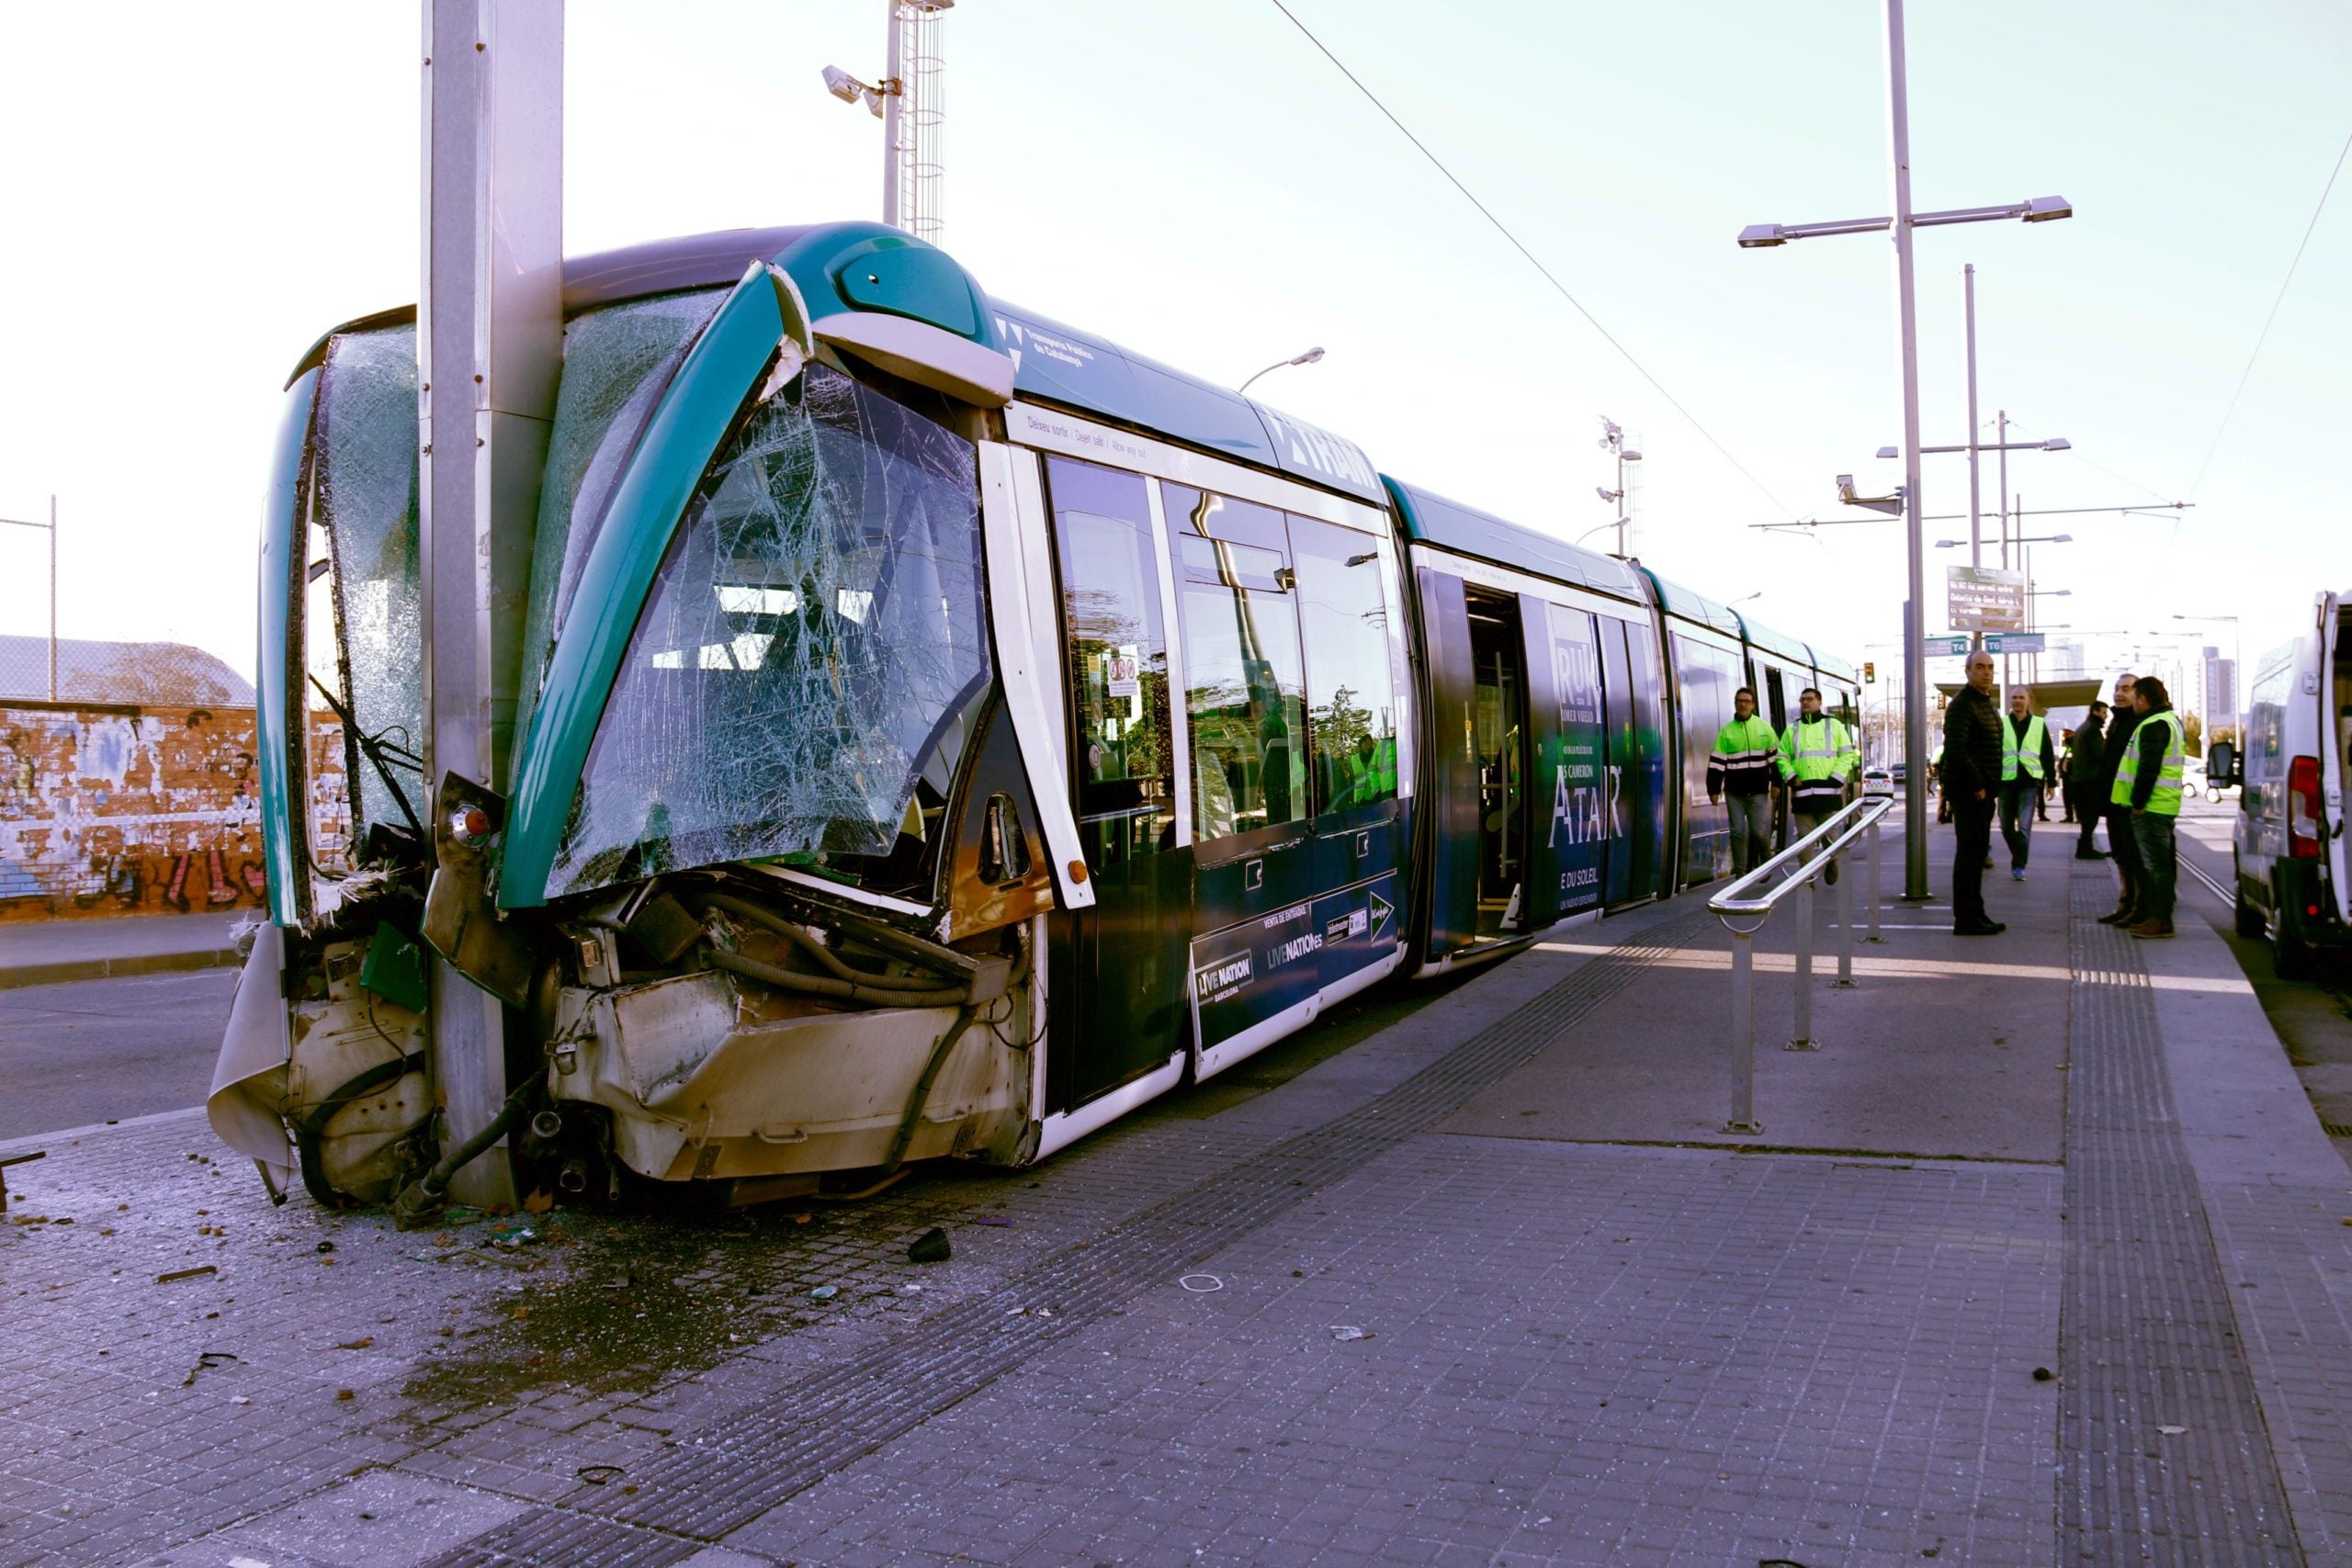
x=1810, y=856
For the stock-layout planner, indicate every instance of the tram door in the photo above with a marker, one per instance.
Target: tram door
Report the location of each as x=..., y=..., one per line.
x=1499, y=740
x=1118, y=999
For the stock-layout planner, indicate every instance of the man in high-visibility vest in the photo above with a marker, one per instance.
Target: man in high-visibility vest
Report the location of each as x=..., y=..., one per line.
x=2027, y=767
x=2148, y=781
x=1741, y=770
x=1817, y=758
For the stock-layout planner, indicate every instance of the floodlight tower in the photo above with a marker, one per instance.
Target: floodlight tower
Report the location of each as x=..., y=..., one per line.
x=1614, y=442
x=909, y=103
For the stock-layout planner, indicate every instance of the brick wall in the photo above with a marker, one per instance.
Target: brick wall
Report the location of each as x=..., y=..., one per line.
x=144, y=810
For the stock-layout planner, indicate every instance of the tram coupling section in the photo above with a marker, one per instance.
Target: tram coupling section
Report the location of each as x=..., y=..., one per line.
x=1744, y=912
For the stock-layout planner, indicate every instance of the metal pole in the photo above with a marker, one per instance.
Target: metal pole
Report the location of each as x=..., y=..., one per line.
x=489, y=345
x=1906, y=311
x=1975, y=509
x=1874, y=936
x=1803, y=1040
x=894, y=95
x=1742, y=1034
x=1845, y=924
x=52, y=598
x=1624, y=517
x=2005, y=539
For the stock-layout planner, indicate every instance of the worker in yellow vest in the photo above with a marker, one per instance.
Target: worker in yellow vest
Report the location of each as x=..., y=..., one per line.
x=1818, y=757
x=1740, y=769
x=2027, y=767
x=2147, y=782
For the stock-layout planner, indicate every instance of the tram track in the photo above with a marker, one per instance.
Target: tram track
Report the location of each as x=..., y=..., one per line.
x=751, y=1461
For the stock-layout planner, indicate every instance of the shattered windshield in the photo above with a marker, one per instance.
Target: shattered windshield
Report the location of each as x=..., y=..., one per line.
x=809, y=662
x=617, y=364
x=367, y=499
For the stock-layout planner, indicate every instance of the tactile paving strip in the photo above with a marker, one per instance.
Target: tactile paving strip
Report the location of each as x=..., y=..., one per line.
x=750, y=1462
x=2164, y=1454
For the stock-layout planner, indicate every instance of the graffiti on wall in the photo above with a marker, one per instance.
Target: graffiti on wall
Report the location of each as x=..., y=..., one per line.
x=155, y=811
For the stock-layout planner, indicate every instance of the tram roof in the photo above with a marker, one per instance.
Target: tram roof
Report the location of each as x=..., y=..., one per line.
x=1688, y=605
x=906, y=277
x=1834, y=664
x=1432, y=519
x=1778, y=643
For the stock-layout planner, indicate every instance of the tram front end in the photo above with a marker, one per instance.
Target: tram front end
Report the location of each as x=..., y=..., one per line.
x=761, y=896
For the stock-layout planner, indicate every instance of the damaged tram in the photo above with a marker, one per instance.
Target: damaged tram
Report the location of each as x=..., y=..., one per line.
x=939, y=732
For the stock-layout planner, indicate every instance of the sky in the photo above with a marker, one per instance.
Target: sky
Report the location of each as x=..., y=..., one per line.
x=195, y=193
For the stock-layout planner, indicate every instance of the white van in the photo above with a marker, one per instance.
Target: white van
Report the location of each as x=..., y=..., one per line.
x=2289, y=836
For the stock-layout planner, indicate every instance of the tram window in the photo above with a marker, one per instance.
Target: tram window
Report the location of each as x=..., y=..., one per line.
x=1118, y=658
x=1245, y=689
x=1350, y=707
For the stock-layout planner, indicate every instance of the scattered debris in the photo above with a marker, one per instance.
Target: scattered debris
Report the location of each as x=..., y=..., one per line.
x=43, y=1154
x=993, y=1220
x=824, y=1292
x=1344, y=1332
x=185, y=1273
x=930, y=1248
x=359, y=1344
x=239, y=1399
x=206, y=1362
x=1202, y=1284
x=323, y=1246
x=599, y=1474
x=343, y=1394
x=2043, y=1375
x=2172, y=1431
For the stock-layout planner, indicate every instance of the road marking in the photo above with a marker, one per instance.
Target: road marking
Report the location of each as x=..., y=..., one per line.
x=124, y=1126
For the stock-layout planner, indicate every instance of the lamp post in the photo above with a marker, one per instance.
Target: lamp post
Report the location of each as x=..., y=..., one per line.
x=1312, y=356
x=52, y=526
x=1612, y=441
x=886, y=101
x=2039, y=209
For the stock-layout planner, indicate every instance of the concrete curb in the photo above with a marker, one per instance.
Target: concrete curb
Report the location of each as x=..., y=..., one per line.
x=20, y=974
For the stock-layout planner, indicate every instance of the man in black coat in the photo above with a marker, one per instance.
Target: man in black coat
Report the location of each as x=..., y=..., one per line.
x=2119, y=841
x=2089, y=750
x=1972, y=774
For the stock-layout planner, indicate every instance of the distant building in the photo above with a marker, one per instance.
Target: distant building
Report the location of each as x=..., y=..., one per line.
x=2220, y=688
x=169, y=673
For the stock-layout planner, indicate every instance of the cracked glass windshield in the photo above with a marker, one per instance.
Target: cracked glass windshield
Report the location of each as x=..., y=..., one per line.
x=810, y=662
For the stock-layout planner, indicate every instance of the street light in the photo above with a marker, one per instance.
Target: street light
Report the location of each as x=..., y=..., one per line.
x=2036, y=540
x=1612, y=441
x=2039, y=209
x=1312, y=356
x=2056, y=444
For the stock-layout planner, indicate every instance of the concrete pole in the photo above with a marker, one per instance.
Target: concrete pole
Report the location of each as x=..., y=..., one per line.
x=489, y=345
x=1907, y=311
x=1975, y=507
x=894, y=97
x=2006, y=512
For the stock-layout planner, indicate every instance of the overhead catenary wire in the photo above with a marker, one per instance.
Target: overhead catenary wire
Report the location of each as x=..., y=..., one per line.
x=2264, y=336
x=1503, y=229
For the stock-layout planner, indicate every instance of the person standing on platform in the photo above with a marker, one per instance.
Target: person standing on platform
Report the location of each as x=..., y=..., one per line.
x=1973, y=739
x=2148, y=783
x=1741, y=770
x=2066, y=775
x=2089, y=750
x=2027, y=762
x=2120, y=841
x=1818, y=757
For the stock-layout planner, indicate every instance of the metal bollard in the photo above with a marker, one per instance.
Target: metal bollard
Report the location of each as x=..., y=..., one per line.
x=1803, y=1040
x=1845, y=923
x=1873, y=838
x=1742, y=1034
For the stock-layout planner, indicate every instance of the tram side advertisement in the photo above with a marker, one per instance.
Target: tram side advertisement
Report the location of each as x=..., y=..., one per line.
x=1587, y=812
x=1246, y=974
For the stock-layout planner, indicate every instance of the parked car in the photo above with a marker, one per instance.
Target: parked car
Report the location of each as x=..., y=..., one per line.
x=2286, y=840
x=1878, y=782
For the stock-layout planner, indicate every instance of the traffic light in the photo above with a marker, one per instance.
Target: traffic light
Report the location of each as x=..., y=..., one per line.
x=1870, y=672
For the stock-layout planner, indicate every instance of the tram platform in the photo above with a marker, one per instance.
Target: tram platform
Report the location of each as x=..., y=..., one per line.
x=2043, y=1258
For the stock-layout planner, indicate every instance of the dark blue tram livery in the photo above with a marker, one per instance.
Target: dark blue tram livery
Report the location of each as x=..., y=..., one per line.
x=939, y=732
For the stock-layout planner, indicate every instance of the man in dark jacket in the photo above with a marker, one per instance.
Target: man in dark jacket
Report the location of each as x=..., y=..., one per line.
x=2089, y=751
x=1971, y=774
x=2119, y=841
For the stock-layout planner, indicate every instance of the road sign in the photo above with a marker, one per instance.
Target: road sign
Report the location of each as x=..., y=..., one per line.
x=1942, y=647
x=1986, y=599
x=2013, y=642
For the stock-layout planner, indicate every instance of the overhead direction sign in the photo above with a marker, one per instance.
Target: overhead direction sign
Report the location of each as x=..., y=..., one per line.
x=1985, y=598
x=1942, y=647
x=2014, y=642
